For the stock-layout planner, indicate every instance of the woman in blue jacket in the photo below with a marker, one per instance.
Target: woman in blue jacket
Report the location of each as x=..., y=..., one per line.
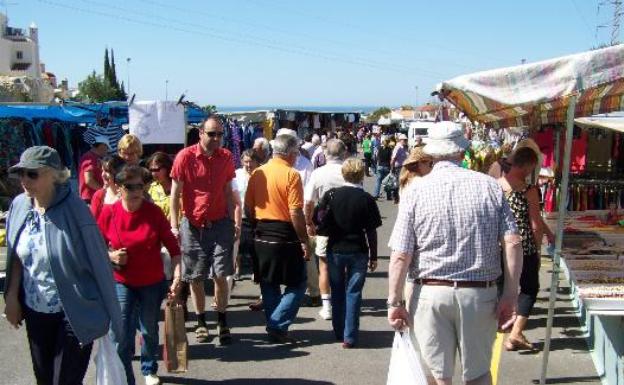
x=59, y=278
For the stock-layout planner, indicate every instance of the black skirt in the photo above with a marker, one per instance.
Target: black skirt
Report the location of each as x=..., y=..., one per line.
x=279, y=253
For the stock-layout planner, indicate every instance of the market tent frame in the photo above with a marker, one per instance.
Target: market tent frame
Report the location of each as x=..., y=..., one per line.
x=553, y=91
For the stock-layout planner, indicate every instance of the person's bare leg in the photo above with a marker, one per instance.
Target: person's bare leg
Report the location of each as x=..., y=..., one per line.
x=221, y=290
x=198, y=295
x=324, y=276
x=485, y=379
x=441, y=381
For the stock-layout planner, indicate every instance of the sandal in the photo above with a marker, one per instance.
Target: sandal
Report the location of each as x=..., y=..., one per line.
x=201, y=334
x=513, y=344
x=225, y=338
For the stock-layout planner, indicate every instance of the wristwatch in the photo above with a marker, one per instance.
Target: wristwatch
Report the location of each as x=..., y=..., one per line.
x=399, y=303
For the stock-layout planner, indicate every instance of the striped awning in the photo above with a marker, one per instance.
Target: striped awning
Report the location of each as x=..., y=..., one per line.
x=538, y=93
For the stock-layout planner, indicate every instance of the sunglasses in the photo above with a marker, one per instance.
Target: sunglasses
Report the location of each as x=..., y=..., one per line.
x=155, y=169
x=31, y=174
x=133, y=186
x=214, y=134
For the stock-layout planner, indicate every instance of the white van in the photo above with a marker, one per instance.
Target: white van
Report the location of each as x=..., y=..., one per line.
x=418, y=128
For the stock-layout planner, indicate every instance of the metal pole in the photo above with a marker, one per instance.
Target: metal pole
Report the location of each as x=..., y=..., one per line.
x=554, y=283
x=128, y=74
x=166, y=90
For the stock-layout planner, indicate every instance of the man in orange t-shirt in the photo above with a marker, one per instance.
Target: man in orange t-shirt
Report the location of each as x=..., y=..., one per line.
x=274, y=203
x=202, y=175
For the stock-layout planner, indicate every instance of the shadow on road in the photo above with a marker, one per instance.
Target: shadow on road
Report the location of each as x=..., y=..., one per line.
x=570, y=380
x=243, y=381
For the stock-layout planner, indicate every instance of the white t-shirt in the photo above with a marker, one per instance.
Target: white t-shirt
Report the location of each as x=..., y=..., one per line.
x=304, y=167
x=323, y=179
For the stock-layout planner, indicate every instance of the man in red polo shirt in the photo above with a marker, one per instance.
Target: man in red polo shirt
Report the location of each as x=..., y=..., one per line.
x=202, y=175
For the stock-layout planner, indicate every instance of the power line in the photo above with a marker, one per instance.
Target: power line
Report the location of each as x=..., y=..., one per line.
x=245, y=40
x=246, y=23
x=370, y=32
x=582, y=16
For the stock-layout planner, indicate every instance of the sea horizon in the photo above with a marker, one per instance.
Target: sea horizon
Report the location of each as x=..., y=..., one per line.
x=333, y=108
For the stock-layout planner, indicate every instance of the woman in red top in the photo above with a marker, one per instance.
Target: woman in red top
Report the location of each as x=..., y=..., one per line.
x=135, y=229
x=108, y=194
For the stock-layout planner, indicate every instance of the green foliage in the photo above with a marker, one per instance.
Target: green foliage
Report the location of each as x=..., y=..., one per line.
x=378, y=113
x=97, y=89
x=103, y=88
x=407, y=107
x=209, y=109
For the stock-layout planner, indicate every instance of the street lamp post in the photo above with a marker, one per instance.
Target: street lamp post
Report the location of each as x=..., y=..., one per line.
x=128, y=73
x=166, y=90
x=416, y=89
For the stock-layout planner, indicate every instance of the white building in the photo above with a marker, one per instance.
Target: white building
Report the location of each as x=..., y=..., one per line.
x=19, y=50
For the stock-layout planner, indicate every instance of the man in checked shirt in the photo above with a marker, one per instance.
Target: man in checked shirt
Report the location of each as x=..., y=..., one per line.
x=452, y=223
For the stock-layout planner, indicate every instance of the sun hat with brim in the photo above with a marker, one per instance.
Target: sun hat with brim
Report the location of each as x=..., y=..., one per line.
x=445, y=138
x=402, y=137
x=417, y=155
x=37, y=157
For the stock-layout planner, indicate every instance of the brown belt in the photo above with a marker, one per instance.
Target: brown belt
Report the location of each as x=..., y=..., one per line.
x=443, y=282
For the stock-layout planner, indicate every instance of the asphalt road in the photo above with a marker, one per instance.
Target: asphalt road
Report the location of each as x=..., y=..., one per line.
x=318, y=359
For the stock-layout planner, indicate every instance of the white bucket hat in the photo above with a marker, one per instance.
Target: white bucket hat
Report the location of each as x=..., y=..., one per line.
x=446, y=138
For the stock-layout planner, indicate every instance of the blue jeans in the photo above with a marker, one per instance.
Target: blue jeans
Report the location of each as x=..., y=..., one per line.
x=382, y=172
x=149, y=299
x=281, y=309
x=347, y=273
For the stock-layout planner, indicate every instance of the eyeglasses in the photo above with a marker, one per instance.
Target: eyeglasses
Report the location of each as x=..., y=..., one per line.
x=155, y=169
x=133, y=186
x=31, y=174
x=214, y=134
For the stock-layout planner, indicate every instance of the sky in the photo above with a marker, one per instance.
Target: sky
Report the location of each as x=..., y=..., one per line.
x=303, y=52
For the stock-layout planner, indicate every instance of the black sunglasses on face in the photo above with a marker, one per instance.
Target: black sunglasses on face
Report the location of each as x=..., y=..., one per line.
x=155, y=169
x=133, y=186
x=31, y=174
x=214, y=134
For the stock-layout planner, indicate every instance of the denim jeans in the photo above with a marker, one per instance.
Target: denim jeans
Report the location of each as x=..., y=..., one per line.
x=382, y=172
x=347, y=273
x=281, y=309
x=149, y=299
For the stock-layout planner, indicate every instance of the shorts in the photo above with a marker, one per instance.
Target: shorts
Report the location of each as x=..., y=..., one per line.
x=207, y=250
x=320, y=249
x=449, y=319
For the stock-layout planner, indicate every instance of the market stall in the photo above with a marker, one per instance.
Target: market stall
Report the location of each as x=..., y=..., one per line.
x=549, y=92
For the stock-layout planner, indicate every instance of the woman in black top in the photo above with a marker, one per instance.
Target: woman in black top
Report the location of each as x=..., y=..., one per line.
x=384, y=154
x=353, y=219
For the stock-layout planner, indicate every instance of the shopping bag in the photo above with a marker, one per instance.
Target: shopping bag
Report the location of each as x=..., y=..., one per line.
x=405, y=365
x=108, y=367
x=390, y=182
x=175, y=349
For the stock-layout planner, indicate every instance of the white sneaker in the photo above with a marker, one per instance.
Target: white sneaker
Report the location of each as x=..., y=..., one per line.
x=326, y=313
x=152, y=379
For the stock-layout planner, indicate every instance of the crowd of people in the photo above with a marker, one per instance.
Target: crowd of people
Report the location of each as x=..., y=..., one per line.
x=103, y=260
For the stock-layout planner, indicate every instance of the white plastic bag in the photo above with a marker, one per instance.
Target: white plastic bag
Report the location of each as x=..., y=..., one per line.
x=108, y=367
x=405, y=368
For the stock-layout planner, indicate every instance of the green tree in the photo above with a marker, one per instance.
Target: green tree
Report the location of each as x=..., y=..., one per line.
x=407, y=107
x=95, y=88
x=209, y=109
x=378, y=113
x=107, y=68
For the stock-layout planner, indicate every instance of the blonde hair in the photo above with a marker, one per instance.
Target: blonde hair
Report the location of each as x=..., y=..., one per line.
x=416, y=156
x=353, y=170
x=130, y=143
